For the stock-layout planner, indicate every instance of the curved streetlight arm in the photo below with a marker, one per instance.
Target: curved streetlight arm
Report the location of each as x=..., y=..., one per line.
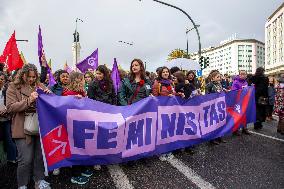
x=195, y=26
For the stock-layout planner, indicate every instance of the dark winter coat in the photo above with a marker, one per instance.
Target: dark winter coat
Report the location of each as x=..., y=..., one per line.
x=195, y=83
x=57, y=89
x=261, y=86
x=101, y=93
x=184, y=88
x=128, y=88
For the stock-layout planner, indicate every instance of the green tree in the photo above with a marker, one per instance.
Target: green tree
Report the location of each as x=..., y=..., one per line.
x=177, y=53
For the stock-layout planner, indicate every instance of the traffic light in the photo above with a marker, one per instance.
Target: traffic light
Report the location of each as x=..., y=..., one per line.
x=201, y=62
x=206, y=62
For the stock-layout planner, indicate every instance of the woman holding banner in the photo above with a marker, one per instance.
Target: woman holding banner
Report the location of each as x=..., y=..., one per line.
x=80, y=174
x=215, y=86
x=101, y=89
x=163, y=86
x=136, y=87
x=21, y=97
x=193, y=82
x=62, y=79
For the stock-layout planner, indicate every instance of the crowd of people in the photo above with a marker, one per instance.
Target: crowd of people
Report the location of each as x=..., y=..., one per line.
x=18, y=96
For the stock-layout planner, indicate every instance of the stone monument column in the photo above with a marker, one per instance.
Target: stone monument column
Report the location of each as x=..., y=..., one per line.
x=76, y=47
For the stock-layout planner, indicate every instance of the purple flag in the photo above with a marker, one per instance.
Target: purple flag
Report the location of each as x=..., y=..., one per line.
x=115, y=76
x=40, y=46
x=91, y=62
x=51, y=78
x=67, y=68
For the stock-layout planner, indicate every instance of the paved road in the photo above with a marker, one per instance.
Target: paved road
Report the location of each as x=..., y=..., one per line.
x=255, y=161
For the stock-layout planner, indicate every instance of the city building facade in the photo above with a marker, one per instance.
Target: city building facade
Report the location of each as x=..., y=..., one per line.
x=233, y=55
x=274, y=32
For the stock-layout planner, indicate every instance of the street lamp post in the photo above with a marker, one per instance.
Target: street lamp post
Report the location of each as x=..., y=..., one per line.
x=187, y=31
x=194, y=25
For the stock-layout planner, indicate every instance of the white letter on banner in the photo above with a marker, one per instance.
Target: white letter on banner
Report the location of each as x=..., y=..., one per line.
x=213, y=115
x=140, y=134
x=177, y=123
x=88, y=122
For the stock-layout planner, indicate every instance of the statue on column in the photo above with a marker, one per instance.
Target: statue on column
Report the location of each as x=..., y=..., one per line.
x=76, y=36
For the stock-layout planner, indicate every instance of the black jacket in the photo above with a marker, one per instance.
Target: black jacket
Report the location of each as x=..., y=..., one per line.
x=95, y=92
x=261, y=86
x=184, y=88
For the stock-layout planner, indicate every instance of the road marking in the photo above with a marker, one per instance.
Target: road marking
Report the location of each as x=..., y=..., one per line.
x=274, y=138
x=119, y=177
x=188, y=172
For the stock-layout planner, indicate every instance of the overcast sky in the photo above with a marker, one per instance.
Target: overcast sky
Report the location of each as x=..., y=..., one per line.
x=154, y=29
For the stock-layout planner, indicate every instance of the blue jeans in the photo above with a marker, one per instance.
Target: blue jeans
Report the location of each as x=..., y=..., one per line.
x=9, y=144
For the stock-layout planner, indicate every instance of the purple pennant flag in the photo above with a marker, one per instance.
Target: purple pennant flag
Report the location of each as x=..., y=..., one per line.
x=40, y=46
x=115, y=76
x=51, y=78
x=68, y=69
x=91, y=62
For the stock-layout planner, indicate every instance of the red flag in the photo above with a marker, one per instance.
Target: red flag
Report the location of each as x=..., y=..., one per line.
x=6, y=51
x=11, y=51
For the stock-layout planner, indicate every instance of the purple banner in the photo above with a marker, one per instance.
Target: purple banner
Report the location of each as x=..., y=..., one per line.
x=86, y=132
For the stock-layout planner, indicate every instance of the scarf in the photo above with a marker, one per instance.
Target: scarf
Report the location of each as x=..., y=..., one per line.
x=165, y=82
x=218, y=86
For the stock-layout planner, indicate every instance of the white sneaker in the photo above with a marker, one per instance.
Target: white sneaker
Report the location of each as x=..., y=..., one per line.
x=165, y=157
x=42, y=184
x=23, y=187
x=56, y=172
x=97, y=167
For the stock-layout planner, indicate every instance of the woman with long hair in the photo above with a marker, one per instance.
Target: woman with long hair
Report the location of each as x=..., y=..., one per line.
x=182, y=86
x=215, y=86
x=163, y=85
x=101, y=89
x=136, y=87
x=80, y=174
x=76, y=85
x=194, y=82
x=21, y=97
